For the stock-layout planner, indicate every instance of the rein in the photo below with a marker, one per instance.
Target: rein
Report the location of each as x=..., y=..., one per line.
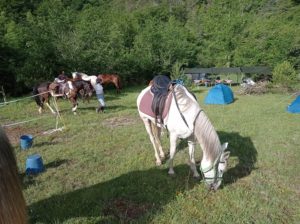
x=182, y=116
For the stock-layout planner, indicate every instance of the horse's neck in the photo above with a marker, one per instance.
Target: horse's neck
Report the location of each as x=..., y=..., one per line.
x=187, y=104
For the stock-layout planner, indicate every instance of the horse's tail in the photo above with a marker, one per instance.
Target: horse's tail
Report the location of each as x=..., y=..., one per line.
x=37, y=98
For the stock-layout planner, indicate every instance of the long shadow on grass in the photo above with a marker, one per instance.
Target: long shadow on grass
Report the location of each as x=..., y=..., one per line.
x=242, y=148
x=138, y=194
x=131, y=196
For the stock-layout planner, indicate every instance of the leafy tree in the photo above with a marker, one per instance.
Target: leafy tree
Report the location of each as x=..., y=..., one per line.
x=284, y=74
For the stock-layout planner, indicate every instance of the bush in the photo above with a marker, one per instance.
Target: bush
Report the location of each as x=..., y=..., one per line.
x=284, y=74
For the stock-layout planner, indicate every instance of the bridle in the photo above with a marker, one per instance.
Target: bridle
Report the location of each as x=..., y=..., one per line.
x=213, y=167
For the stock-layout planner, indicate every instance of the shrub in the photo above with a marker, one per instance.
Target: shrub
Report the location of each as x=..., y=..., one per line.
x=284, y=74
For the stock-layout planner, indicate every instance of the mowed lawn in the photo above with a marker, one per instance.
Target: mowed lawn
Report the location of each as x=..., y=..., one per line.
x=101, y=168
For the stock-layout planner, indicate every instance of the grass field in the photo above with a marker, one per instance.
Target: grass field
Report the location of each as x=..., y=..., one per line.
x=101, y=168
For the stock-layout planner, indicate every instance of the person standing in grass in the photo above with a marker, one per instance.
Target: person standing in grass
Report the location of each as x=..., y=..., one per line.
x=12, y=203
x=100, y=95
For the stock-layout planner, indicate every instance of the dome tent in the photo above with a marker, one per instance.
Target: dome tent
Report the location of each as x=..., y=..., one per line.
x=219, y=94
x=294, y=107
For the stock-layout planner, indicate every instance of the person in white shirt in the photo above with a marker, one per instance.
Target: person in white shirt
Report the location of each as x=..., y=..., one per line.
x=100, y=95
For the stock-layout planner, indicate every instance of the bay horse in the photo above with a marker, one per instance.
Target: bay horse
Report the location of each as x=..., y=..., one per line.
x=111, y=78
x=184, y=119
x=13, y=206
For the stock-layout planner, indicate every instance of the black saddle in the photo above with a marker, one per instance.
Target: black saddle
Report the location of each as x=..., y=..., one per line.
x=160, y=89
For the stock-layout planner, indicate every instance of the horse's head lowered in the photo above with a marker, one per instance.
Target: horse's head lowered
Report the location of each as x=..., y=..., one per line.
x=213, y=174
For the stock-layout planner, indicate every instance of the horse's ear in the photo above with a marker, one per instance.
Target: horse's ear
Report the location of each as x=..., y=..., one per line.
x=224, y=146
x=225, y=156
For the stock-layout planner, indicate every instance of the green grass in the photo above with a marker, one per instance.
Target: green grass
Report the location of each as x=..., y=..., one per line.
x=101, y=169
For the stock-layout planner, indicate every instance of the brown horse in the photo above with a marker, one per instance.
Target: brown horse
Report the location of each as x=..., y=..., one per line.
x=12, y=206
x=42, y=96
x=43, y=92
x=111, y=78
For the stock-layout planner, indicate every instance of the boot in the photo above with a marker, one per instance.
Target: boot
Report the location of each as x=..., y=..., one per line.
x=99, y=109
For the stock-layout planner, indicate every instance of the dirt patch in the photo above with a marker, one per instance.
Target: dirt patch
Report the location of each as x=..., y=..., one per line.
x=119, y=121
x=125, y=210
x=15, y=132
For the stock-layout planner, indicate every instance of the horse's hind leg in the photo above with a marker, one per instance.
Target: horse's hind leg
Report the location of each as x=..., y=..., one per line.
x=173, y=139
x=158, y=142
x=192, y=143
x=153, y=141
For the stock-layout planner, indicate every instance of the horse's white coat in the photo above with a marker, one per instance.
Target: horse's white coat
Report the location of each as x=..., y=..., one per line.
x=177, y=128
x=85, y=77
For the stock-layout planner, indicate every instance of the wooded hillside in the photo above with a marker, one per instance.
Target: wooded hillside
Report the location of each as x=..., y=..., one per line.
x=140, y=38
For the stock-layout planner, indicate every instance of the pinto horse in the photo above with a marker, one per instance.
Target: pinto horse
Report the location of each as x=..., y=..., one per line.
x=76, y=87
x=92, y=79
x=183, y=118
x=111, y=78
x=42, y=96
x=45, y=90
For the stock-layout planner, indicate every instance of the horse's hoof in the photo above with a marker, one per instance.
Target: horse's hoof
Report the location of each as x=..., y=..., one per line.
x=158, y=163
x=172, y=175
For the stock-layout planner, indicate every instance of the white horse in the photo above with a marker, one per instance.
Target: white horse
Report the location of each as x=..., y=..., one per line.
x=186, y=119
x=90, y=78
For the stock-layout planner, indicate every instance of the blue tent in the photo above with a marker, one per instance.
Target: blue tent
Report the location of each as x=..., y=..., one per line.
x=294, y=107
x=219, y=94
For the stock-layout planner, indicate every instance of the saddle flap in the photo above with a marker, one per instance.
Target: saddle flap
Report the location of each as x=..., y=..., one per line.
x=146, y=102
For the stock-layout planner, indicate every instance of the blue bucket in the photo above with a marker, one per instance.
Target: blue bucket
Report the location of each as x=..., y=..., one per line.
x=26, y=141
x=34, y=164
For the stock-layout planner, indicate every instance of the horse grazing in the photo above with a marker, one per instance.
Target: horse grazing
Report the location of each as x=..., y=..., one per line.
x=183, y=118
x=42, y=96
x=12, y=206
x=111, y=78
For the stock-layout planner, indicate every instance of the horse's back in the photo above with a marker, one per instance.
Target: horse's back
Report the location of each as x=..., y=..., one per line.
x=109, y=77
x=42, y=87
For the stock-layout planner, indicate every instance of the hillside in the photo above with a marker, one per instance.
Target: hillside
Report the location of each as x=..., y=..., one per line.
x=140, y=38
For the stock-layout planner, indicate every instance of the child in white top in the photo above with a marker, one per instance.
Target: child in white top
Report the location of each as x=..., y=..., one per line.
x=100, y=95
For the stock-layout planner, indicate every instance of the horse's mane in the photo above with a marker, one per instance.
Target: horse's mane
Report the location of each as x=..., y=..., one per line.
x=207, y=136
x=204, y=130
